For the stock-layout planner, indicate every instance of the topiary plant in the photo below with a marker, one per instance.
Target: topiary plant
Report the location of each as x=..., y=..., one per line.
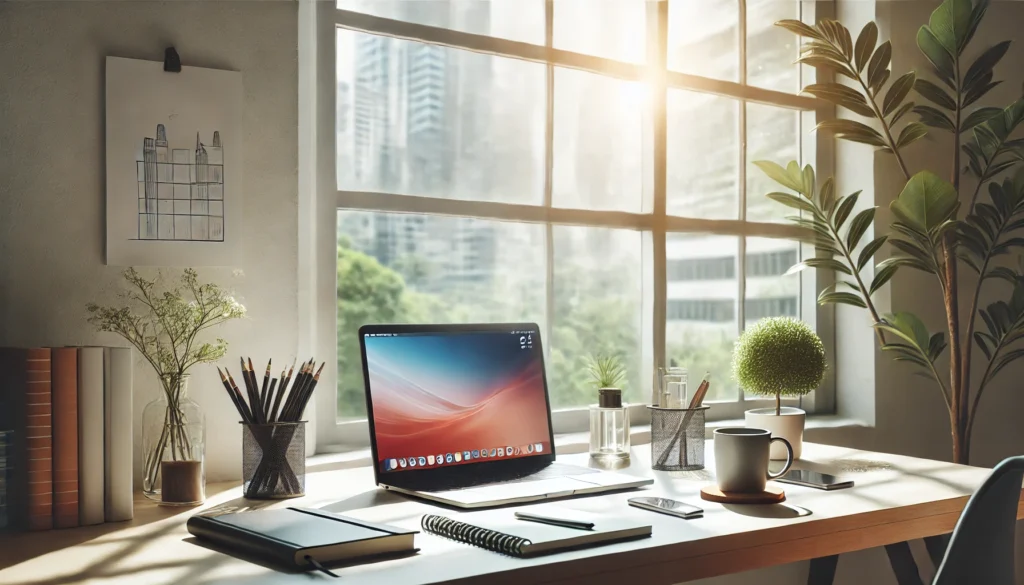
x=779, y=356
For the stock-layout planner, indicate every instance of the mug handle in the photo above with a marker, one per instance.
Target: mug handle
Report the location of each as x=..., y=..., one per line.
x=789, y=458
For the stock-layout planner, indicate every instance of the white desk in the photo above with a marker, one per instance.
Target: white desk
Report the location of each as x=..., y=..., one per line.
x=896, y=499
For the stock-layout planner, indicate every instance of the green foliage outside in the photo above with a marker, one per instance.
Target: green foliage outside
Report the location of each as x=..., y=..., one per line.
x=369, y=292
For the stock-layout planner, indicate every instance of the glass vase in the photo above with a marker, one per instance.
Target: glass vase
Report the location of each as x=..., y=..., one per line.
x=174, y=446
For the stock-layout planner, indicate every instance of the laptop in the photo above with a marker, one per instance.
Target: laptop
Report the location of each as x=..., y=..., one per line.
x=460, y=415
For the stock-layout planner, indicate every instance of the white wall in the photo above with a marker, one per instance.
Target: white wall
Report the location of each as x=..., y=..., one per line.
x=52, y=184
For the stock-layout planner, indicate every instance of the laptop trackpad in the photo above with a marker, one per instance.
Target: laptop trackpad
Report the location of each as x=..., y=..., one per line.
x=552, y=488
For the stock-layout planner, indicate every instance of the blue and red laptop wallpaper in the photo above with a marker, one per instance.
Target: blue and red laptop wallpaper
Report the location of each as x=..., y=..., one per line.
x=455, y=398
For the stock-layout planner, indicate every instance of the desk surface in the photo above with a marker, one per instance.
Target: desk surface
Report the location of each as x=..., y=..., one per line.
x=896, y=498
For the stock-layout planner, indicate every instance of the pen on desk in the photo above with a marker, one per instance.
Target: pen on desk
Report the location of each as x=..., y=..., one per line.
x=563, y=522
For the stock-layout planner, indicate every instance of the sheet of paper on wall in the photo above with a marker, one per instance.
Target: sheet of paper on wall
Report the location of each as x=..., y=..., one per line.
x=174, y=145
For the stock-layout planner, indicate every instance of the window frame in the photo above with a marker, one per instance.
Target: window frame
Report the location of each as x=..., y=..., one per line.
x=320, y=199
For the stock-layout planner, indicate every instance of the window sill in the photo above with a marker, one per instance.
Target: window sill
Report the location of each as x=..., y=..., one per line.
x=348, y=457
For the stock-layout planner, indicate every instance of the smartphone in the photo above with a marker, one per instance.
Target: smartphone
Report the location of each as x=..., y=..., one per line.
x=667, y=506
x=822, y=481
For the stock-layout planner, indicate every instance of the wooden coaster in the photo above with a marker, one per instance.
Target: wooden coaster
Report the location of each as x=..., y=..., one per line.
x=772, y=494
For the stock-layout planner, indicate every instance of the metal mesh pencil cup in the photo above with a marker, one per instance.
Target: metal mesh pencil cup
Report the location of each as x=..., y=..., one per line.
x=274, y=460
x=677, y=438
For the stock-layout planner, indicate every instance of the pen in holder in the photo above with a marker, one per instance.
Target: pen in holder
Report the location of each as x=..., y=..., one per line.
x=677, y=438
x=274, y=460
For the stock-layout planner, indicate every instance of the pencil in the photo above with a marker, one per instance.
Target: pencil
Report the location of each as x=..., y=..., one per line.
x=231, y=395
x=277, y=399
x=297, y=388
x=241, y=399
x=254, y=398
x=309, y=391
x=284, y=387
x=264, y=397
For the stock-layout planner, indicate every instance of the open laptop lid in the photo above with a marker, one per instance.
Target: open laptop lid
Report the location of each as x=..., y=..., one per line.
x=446, y=403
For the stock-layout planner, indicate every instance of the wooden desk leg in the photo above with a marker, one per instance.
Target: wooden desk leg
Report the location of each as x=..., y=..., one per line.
x=903, y=564
x=936, y=546
x=823, y=570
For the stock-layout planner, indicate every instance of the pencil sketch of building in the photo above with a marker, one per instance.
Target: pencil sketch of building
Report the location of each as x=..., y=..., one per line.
x=181, y=190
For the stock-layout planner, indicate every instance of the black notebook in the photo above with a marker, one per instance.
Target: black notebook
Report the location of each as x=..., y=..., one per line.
x=499, y=531
x=302, y=537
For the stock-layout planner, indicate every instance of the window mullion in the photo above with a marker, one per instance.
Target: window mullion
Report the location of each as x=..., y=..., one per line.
x=549, y=138
x=657, y=54
x=741, y=259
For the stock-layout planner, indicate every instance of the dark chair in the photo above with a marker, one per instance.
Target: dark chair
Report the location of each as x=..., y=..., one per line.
x=980, y=551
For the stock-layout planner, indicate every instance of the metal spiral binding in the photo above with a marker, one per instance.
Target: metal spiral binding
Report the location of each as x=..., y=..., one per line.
x=491, y=540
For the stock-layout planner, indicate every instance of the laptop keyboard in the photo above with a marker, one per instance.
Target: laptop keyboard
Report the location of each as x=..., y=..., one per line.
x=553, y=471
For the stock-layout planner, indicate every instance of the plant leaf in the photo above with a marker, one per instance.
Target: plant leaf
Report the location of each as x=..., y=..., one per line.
x=898, y=92
x=858, y=226
x=935, y=118
x=926, y=202
x=827, y=196
x=843, y=210
x=800, y=28
x=818, y=60
x=978, y=91
x=1003, y=273
x=911, y=133
x=869, y=251
x=984, y=64
x=808, y=180
x=934, y=94
x=826, y=263
x=950, y=23
x=865, y=45
x=878, y=67
x=853, y=131
x=980, y=7
x=937, y=55
x=978, y=116
x=841, y=95
x=910, y=327
x=842, y=298
x=900, y=112
x=913, y=249
x=779, y=175
x=883, y=275
x=792, y=201
x=980, y=340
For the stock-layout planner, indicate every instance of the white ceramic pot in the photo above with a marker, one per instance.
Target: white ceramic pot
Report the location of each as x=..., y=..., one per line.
x=789, y=425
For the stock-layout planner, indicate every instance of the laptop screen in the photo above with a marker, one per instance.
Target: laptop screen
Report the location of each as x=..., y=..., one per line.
x=455, y=398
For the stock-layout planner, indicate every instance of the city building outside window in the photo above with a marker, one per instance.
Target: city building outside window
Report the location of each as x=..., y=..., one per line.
x=575, y=163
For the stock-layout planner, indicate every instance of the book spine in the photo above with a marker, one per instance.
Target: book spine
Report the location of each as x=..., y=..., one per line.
x=39, y=439
x=90, y=436
x=65, y=436
x=117, y=427
x=250, y=543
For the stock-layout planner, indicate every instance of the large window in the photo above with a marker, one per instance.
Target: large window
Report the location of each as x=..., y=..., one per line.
x=582, y=164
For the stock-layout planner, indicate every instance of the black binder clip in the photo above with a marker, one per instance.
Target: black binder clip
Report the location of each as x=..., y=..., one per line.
x=172, y=62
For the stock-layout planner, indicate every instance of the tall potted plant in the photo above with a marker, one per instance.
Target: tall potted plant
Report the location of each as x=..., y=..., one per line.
x=164, y=328
x=932, y=231
x=779, y=356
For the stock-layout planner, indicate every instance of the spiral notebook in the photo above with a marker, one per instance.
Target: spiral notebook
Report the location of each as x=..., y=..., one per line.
x=499, y=531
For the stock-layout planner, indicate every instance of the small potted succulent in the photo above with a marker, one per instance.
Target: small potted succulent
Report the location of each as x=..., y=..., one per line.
x=779, y=356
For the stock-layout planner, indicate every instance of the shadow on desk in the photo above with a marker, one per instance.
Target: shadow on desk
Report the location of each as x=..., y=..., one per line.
x=19, y=547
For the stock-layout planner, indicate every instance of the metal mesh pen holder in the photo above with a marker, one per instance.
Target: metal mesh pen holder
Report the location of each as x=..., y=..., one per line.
x=677, y=438
x=274, y=460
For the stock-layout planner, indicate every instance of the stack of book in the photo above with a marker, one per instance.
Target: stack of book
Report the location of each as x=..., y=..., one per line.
x=69, y=449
